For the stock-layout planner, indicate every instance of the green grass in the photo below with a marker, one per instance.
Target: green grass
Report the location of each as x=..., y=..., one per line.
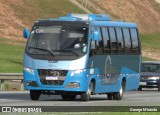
x=147, y=59
x=11, y=56
x=150, y=41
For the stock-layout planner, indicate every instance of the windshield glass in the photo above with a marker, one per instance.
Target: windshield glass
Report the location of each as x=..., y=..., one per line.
x=150, y=67
x=57, y=41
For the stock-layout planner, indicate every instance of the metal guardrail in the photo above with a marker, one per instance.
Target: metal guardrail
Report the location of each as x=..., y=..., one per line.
x=10, y=76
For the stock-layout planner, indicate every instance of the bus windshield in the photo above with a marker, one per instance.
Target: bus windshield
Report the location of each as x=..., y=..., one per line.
x=49, y=42
x=150, y=67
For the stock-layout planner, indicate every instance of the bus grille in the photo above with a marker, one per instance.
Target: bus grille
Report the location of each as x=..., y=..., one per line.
x=59, y=74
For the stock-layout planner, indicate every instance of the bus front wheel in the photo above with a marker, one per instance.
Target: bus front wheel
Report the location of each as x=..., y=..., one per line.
x=86, y=95
x=35, y=94
x=119, y=95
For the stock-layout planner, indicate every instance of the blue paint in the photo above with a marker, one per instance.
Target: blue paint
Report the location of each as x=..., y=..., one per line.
x=108, y=76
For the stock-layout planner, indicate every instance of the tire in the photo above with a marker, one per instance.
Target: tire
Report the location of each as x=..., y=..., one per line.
x=86, y=95
x=68, y=97
x=35, y=94
x=110, y=96
x=119, y=95
x=140, y=88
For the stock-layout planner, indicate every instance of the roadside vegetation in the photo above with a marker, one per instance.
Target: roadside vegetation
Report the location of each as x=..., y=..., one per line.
x=150, y=46
x=150, y=41
x=148, y=59
x=11, y=56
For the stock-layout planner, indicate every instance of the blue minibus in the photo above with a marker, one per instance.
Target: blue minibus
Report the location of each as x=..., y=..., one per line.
x=81, y=54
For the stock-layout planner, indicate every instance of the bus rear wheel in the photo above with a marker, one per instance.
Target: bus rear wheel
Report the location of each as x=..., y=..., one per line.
x=35, y=94
x=119, y=95
x=86, y=95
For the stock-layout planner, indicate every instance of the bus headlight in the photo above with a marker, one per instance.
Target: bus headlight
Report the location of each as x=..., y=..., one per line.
x=29, y=70
x=74, y=72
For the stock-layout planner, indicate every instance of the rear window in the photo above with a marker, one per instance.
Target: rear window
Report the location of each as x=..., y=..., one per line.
x=150, y=68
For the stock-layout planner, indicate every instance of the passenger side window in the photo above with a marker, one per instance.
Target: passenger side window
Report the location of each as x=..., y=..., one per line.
x=127, y=40
x=116, y=40
x=134, y=36
x=114, y=46
x=99, y=44
x=120, y=39
x=105, y=36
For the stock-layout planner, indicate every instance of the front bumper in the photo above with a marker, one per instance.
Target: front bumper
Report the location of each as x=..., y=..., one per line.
x=75, y=83
x=149, y=83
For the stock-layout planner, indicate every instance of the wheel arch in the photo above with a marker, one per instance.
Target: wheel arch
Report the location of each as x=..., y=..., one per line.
x=94, y=85
x=124, y=83
x=92, y=80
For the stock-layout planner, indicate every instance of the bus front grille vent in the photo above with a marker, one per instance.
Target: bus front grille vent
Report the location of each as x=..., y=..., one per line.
x=52, y=77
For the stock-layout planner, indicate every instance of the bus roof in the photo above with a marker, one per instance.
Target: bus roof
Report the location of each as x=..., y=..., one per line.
x=114, y=24
x=93, y=19
x=96, y=23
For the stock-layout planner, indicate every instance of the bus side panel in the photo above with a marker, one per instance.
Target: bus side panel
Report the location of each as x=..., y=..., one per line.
x=133, y=72
x=132, y=78
x=111, y=69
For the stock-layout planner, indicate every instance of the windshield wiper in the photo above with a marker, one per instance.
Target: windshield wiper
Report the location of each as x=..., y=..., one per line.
x=42, y=50
x=67, y=51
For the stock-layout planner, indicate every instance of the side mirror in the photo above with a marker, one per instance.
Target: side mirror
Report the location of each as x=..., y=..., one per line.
x=96, y=35
x=26, y=33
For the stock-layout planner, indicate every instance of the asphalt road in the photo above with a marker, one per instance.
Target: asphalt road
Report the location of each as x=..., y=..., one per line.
x=130, y=98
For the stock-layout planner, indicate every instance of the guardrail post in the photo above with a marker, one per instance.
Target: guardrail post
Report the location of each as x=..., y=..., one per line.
x=2, y=84
x=22, y=85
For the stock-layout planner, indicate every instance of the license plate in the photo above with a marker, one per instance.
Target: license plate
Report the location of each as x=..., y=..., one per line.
x=143, y=83
x=51, y=78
